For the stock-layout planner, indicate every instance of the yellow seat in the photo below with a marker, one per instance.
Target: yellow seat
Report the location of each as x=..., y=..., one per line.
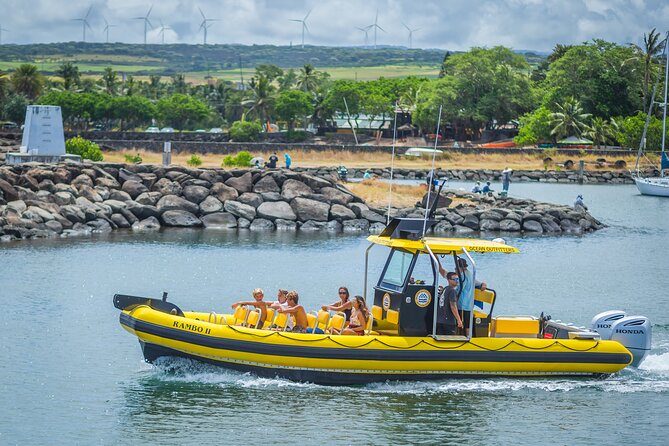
x=322, y=319
x=253, y=318
x=271, y=313
x=281, y=321
x=337, y=323
x=311, y=320
x=370, y=323
x=393, y=316
x=240, y=315
x=377, y=312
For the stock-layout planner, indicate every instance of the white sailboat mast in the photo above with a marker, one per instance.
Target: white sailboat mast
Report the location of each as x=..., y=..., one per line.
x=664, y=112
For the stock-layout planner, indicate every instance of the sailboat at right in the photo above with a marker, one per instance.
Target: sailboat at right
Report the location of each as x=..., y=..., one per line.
x=657, y=186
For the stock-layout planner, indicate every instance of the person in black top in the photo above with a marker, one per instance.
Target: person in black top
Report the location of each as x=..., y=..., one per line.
x=447, y=309
x=272, y=161
x=344, y=304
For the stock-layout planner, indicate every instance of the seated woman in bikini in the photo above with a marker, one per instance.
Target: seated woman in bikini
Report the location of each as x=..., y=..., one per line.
x=344, y=304
x=359, y=317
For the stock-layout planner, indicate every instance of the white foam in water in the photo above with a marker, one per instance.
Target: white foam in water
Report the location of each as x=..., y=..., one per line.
x=650, y=377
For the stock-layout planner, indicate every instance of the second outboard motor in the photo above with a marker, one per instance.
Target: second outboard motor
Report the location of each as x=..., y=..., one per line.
x=635, y=333
x=603, y=322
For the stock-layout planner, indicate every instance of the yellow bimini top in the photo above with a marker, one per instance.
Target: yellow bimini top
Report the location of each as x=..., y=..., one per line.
x=439, y=245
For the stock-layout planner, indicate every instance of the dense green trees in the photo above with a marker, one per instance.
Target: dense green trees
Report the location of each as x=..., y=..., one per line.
x=293, y=104
x=182, y=111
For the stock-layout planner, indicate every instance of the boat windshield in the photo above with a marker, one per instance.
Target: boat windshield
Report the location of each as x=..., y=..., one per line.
x=398, y=266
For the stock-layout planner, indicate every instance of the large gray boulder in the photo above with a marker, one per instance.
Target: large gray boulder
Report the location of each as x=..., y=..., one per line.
x=167, y=187
x=442, y=227
x=357, y=225
x=285, y=225
x=73, y=213
x=224, y=192
x=261, y=224
x=251, y=198
x=339, y=212
x=266, y=184
x=336, y=196
x=180, y=218
x=372, y=216
x=174, y=203
x=314, y=182
x=357, y=208
x=276, y=209
x=532, y=226
x=141, y=211
x=242, y=184
x=150, y=198
x=115, y=205
x=489, y=225
x=306, y=209
x=195, y=194
x=309, y=226
x=120, y=221
x=240, y=209
x=119, y=195
x=219, y=220
x=148, y=224
x=210, y=205
x=509, y=225
x=62, y=198
x=134, y=188
x=293, y=188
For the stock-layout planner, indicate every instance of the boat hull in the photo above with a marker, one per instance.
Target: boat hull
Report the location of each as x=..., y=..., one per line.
x=656, y=186
x=342, y=360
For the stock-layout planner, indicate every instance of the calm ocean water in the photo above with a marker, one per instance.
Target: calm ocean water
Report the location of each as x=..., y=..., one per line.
x=70, y=374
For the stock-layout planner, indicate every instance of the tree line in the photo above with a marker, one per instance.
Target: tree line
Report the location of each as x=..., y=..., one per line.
x=598, y=89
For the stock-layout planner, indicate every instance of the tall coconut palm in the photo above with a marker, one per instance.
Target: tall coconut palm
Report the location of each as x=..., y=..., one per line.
x=70, y=74
x=4, y=86
x=27, y=81
x=652, y=47
x=600, y=131
x=307, y=79
x=262, y=99
x=569, y=119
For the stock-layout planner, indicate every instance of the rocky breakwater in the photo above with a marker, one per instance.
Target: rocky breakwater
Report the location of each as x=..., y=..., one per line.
x=79, y=199
x=470, y=213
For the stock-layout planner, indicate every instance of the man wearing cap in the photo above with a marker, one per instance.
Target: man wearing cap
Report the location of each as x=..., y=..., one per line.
x=465, y=291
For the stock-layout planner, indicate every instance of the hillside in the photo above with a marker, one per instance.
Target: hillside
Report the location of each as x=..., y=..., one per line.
x=169, y=59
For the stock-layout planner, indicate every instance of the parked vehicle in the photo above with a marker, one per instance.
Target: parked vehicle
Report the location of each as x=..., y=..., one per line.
x=167, y=130
x=152, y=130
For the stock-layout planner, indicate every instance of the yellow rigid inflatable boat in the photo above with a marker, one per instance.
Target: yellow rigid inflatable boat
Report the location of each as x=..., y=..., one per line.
x=401, y=341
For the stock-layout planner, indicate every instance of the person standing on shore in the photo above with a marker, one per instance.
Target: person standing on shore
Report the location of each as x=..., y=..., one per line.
x=506, y=179
x=288, y=160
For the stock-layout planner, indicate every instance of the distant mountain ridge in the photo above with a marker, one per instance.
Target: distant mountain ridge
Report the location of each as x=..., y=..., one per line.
x=173, y=58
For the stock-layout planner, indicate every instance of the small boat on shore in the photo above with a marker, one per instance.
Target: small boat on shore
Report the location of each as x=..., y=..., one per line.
x=655, y=186
x=402, y=340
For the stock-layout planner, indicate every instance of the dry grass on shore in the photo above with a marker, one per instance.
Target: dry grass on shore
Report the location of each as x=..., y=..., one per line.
x=375, y=193
x=308, y=158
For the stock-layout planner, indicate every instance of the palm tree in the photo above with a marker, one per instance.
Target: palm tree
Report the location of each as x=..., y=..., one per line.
x=262, y=98
x=600, y=131
x=652, y=47
x=109, y=78
x=308, y=78
x=70, y=74
x=27, y=81
x=569, y=119
x=4, y=86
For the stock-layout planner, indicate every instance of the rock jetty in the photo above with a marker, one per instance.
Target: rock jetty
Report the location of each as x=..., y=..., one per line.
x=74, y=199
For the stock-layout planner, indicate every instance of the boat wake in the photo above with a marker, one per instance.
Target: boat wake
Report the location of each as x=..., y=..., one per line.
x=652, y=376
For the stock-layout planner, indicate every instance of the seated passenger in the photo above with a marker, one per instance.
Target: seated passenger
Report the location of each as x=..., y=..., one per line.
x=279, y=303
x=258, y=295
x=486, y=188
x=344, y=304
x=359, y=317
x=297, y=311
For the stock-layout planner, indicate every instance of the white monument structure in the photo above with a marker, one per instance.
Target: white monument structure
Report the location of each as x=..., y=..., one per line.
x=43, y=138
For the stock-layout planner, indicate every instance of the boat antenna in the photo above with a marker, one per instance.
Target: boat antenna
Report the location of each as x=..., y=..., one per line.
x=392, y=165
x=431, y=174
x=664, y=113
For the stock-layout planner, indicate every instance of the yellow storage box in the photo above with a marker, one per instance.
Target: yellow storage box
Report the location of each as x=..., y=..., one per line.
x=514, y=327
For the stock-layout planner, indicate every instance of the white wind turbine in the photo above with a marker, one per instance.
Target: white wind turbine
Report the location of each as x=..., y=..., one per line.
x=146, y=22
x=162, y=31
x=106, y=28
x=411, y=31
x=84, y=22
x=304, y=24
x=376, y=26
x=366, y=31
x=204, y=25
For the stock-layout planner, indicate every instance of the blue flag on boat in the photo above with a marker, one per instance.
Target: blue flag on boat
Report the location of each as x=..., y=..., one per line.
x=664, y=164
